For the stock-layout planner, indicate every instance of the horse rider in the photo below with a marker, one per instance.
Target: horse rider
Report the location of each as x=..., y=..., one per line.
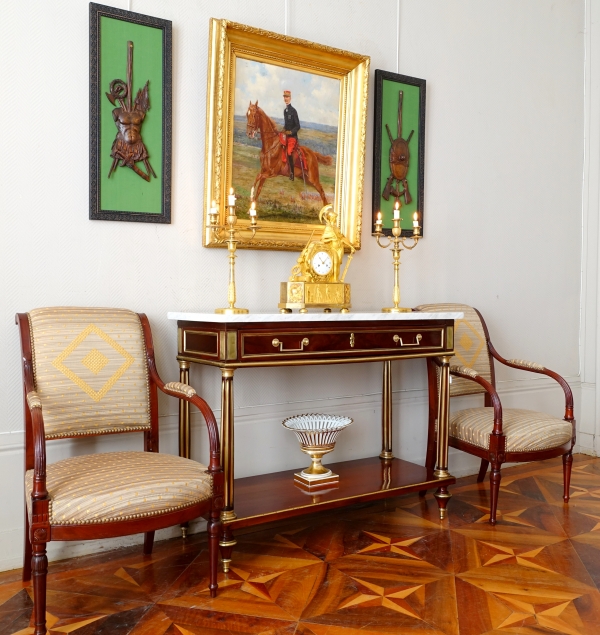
x=291, y=125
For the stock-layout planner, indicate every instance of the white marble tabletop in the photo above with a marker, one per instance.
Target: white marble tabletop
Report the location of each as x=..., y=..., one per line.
x=242, y=318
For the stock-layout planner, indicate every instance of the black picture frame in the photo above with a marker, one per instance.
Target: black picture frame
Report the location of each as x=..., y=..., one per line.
x=97, y=93
x=385, y=94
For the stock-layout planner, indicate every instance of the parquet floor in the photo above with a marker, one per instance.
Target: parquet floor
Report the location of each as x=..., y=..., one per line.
x=386, y=567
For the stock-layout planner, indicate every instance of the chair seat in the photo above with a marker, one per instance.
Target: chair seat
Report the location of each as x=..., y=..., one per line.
x=525, y=430
x=114, y=486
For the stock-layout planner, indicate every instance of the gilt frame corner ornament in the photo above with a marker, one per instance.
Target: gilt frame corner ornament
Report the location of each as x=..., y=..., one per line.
x=398, y=150
x=330, y=157
x=130, y=116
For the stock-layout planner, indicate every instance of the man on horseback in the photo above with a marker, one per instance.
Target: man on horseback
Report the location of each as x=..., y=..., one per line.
x=291, y=124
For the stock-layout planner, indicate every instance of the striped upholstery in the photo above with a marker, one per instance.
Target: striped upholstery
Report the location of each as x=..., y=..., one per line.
x=525, y=430
x=101, y=488
x=469, y=346
x=90, y=370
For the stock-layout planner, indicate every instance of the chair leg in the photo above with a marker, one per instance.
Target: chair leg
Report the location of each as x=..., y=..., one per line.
x=215, y=527
x=148, y=542
x=27, y=553
x=482, y=470
x=567, y=463
x=39, y=565
x=495, y=477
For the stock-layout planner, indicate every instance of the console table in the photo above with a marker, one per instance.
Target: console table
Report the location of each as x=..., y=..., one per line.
x=274, y=339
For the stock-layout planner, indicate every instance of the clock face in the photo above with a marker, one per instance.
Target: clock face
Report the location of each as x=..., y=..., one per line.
x=322, y=263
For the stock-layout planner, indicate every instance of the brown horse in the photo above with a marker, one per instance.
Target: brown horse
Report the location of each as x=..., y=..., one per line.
x=271, y=163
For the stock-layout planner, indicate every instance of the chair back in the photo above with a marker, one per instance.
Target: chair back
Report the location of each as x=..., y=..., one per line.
x=90, y=371
x=470, y=347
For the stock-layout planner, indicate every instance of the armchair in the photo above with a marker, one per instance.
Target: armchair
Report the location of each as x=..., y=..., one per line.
x=494, y=434
x=92, y=372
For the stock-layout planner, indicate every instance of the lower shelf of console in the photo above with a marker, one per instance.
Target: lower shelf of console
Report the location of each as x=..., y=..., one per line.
x=269, y=497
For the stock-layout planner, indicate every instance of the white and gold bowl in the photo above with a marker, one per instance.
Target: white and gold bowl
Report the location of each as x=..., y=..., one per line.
x=317, y=434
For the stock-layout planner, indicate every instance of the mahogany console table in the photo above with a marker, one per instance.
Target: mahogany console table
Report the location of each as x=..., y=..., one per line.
x=274, y=339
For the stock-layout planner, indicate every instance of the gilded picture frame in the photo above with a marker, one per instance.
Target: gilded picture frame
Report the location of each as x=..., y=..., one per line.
x=399, y=123
x=247, y=65
x=130, y=116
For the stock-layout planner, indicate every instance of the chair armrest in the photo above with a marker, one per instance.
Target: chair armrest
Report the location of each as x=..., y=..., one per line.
x=187, y=393
x=524, y=364
x=534, y=367
x=468, y=373
x=34, y=404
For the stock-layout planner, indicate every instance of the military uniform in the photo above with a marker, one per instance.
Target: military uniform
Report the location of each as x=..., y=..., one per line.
x=291, y=124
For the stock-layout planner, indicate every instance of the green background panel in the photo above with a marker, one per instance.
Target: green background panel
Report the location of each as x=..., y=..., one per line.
x=410, y=121
x=125, y=191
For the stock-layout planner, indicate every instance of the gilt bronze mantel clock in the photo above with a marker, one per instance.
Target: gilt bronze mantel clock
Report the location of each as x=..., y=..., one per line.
x=315, y=281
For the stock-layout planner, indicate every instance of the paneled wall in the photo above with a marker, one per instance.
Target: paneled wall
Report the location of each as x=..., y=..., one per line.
x=503, y=197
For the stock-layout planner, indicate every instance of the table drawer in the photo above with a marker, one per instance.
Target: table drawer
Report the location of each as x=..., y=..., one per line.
x=344, y=342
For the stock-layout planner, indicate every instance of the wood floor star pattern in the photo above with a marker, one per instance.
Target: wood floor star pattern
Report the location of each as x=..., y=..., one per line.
x=384, y=567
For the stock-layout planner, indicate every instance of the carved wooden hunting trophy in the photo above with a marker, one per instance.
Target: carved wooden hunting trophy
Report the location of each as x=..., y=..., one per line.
x=399, y=159
x=128, y=147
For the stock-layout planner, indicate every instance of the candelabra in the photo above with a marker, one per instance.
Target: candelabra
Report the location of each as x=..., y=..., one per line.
x=398, y=243
x=229, y=234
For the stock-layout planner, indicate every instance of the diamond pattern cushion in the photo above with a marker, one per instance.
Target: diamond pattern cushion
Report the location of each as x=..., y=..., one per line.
x=525, y=430
x=100, y=488
x=470, y=348
x=90, y=370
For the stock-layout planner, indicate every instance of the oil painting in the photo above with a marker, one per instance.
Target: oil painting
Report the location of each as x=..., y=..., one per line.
x=285, y=141
x=285, y=129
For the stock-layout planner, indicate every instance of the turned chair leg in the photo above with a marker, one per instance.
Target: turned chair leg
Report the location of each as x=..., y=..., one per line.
x=27, y=552
x=39, y=566
x=495, y=477
x=215, y=527
x=148, y=542
x=482, y=470
x=567, y=463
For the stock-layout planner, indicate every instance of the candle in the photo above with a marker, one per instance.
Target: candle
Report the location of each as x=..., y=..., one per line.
x=378, y=222
x=252, y=194
x=252, y=211
x=231, y=198
x=397, y=211
x=213, y=211
x=415, y=219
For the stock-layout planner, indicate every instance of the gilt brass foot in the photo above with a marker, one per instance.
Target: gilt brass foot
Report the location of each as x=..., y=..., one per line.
x=442, y=495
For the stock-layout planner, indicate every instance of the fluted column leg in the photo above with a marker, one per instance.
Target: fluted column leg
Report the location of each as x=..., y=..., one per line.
x=227, y=442
x=184, y=413
x=386, y=412
x=184, y=423
x=441, y=470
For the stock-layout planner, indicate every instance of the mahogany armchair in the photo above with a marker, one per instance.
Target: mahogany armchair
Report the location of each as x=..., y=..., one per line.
x=92, y=372
x=491, y=433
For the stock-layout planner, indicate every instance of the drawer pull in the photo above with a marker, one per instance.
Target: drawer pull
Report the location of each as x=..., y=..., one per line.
x=351, y=340
x=277, y=343
x=418, y=339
